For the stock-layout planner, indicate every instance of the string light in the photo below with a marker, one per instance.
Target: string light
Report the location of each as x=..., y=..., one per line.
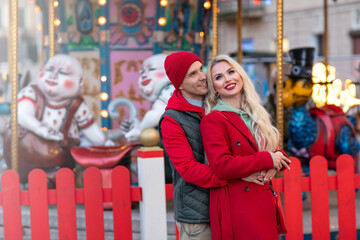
x=330, y=90
x=102, y=2
x=162, y=21
x=37, y=8
x=104, y=96
x=104, y=113
x=56, y=3
x=164, y=3
x=103, y=78
x=57, y=22
x=101, y=20
x=256, y=2
x=207, y=5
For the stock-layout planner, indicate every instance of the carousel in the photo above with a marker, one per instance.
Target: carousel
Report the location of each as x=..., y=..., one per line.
x=98, y=86
x=102, y=83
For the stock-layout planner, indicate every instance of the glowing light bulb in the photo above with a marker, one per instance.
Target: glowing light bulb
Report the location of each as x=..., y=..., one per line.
x=56, y=3
x=201, y=34
x=102, y=2
x=207, y=5
x=162, y=21
x=37, y=9
x=164, y=3
x=103, y=78
x=57, y=22
x=104, y=96
x=104, y=113
x=101, y=20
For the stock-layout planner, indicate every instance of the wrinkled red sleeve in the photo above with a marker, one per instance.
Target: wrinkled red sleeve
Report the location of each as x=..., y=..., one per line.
x=181, y=155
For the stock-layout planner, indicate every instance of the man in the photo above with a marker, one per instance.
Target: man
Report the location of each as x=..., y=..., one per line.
x=181, y=138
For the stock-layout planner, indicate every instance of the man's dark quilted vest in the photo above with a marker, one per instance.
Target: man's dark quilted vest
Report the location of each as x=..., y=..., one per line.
x=191, y=202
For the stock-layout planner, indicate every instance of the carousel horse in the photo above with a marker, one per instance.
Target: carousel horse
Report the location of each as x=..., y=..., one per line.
x=324, y=131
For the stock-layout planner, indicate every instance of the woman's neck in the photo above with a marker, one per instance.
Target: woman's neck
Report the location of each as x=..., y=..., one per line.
x=233, y=101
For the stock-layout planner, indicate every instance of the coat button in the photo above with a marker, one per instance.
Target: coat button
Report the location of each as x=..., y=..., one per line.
x=238, y=143
x=246, y=189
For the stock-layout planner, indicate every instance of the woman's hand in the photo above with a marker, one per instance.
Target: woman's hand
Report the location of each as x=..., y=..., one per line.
x=256, y=178
x=269, y=174
x=280, y=161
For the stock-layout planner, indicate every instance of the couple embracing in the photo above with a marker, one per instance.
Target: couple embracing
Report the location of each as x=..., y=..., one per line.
x=223, y=151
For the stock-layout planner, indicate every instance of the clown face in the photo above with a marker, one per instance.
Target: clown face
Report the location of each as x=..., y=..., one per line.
x=61, y=78
x=153, y=77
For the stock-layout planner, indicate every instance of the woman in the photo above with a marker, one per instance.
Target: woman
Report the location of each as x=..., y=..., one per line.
x=241, y=145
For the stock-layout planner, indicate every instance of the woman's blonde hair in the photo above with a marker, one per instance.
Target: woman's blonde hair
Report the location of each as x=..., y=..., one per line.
x=267, y=136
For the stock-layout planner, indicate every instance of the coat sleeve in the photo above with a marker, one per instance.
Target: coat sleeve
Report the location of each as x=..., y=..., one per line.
x=224, y=163
x=182, y=157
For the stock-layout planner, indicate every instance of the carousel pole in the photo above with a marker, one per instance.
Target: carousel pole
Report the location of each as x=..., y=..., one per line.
x=45, y=18
x=13, y=75
x=215, y=29
x=325, y=47
x=239, y=31
x=63, y=27
x=158, y=33
x=104, y=47
x=279, y=70
x=51, y=29
x=198, y=29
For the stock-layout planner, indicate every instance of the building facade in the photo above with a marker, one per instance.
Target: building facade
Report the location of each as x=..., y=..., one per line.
x=303, y=26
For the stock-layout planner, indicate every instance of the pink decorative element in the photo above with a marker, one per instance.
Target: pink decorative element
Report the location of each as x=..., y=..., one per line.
x=141, y=39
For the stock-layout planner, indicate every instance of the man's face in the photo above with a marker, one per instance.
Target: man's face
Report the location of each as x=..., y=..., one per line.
x=194, y=85
x=60, y=78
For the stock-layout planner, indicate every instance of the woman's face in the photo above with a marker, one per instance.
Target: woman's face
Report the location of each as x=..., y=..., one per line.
x=227, y=81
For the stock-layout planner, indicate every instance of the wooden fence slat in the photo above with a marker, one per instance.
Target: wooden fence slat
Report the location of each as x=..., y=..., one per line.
x=10, y=185
x=121, y=203
x=320, y=215
x=66, y=207
x=38, y=202
x=293, y=201
x=94, y=212
x=346, y=197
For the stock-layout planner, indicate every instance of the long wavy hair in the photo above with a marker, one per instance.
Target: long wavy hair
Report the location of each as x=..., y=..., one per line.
x=267, y=135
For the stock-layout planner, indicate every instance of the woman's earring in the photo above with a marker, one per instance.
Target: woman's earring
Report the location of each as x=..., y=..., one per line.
x=217, y=95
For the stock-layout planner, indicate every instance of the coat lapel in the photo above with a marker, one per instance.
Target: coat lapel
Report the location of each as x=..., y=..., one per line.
x=239, y=124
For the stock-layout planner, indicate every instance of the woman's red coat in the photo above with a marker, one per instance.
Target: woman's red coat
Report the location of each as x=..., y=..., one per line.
x=239, y=210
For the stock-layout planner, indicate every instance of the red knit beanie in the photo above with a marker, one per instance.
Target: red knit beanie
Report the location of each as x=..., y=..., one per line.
x=177, y=64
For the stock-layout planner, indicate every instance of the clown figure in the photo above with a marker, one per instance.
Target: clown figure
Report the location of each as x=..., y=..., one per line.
x=52, y=110
x=60, y=80
x=155, y=86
